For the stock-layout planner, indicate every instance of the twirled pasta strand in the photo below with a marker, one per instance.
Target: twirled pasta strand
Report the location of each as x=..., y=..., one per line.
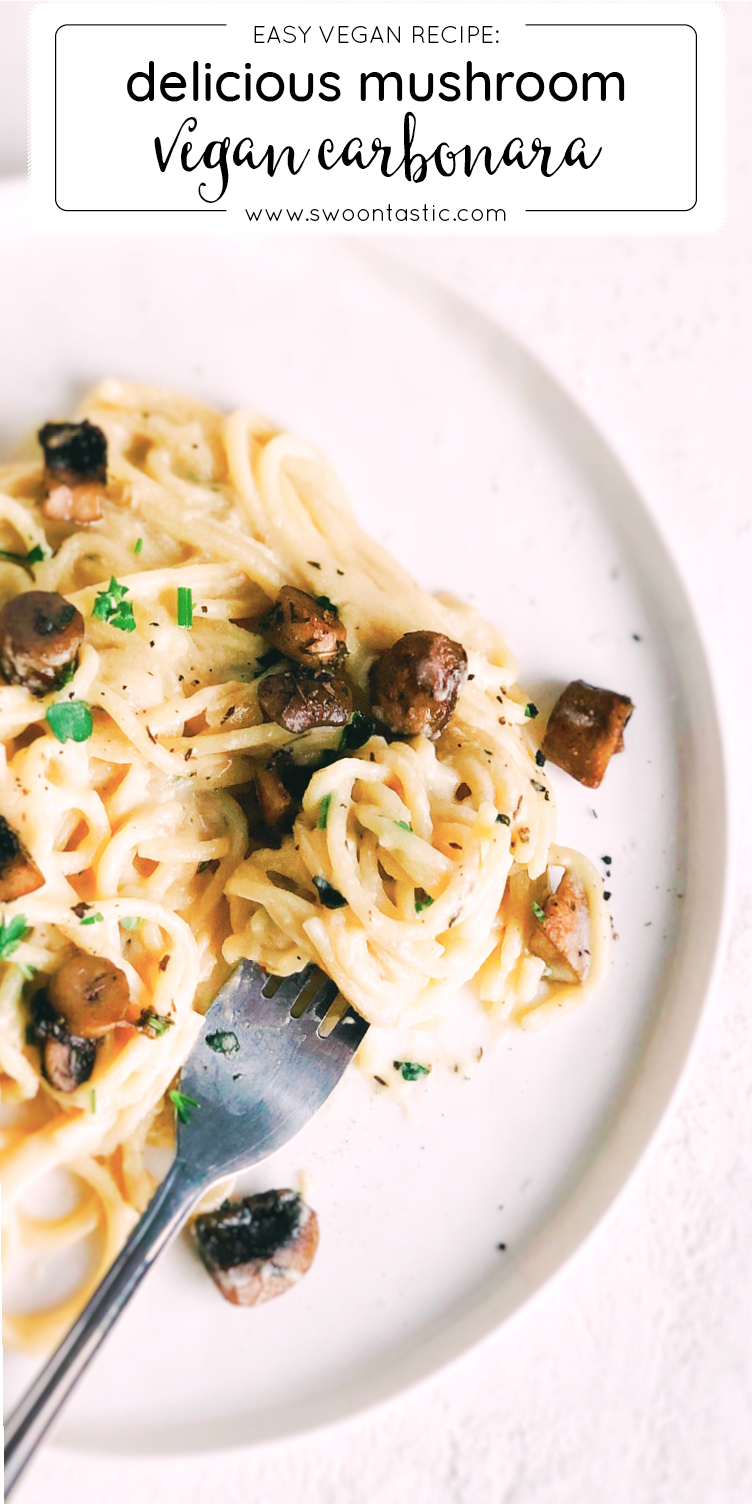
x=145, y=820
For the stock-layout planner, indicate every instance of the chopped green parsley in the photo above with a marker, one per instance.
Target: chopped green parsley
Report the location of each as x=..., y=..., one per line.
x=223, y=1042
x=326, y=605
x=503, y=820
x=93, y=919
x=111, y=606
x=182, y=1103
x=410, y=1070
x=36, y=555
x=324, y=806
x=357, y=732
x=11, y=936
x=154, y=1024
x=70, y=721
x=531, y=710
x=422, y=902
x=539, y=912
x=138, y=545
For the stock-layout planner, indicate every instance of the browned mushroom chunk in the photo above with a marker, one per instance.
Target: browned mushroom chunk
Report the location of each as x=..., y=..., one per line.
x=277, y=807
x=19, y=873
x=585, y=729
x=90, y=994
x=40, y=635
x=300, y=701
x=562, y=938
x=74, y=503
x=414, y=685
x=75, y=461
x=74, y=452
x=259, y=1247
x=67, y=1059
x=304, y=628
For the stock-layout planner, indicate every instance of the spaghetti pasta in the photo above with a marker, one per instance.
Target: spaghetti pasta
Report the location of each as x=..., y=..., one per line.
x=435, y=850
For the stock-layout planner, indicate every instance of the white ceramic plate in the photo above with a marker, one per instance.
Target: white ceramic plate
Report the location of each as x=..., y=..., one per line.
x=478, y=471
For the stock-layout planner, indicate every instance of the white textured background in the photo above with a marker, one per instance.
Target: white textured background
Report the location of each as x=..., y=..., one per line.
x=630, y=1380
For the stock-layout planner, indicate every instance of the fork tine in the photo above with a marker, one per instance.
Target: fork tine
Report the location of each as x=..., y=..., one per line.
x=347, y=1033
x=333, y=1050
x=351, y=1027
x=323, y=999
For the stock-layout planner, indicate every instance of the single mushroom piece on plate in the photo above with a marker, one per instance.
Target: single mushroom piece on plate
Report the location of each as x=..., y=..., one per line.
x=19, y=873
x=562, y=937
x=90, y=994
x=258, y=1247
x=75, y=464
x=305, y=628
x=67, y=1059
x=298, y=701
x=585, y=729
x=40, y=636
x=414, y=685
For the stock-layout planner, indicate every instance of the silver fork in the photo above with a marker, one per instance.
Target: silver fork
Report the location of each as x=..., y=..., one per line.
x=251, y=1101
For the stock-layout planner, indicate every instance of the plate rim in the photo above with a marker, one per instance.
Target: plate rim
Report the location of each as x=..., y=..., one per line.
x=466, y=1327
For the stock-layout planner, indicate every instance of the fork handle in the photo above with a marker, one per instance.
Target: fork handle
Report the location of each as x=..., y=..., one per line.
x=160, y=1223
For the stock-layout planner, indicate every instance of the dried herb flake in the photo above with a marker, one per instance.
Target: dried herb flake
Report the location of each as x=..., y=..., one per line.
x=410, y=1070
x=223, y=1042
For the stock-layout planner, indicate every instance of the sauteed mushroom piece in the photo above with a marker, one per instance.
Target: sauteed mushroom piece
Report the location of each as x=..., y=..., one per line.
x=257, y=1248
x=90, y=994
x=562, y=937
x=19, y=873
x=304, y=628
x=276, y=805
x=40, y=636
x=74, y=452
x=75, y=460
x=67, y=1059
x=299, y=701
x=414, y=685
x=585, y=729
